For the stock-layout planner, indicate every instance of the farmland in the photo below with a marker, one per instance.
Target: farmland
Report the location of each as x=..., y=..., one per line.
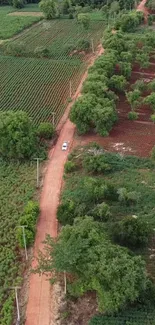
x=17, y=185
x=41, y=86
x=58, y=36
x=11, y=25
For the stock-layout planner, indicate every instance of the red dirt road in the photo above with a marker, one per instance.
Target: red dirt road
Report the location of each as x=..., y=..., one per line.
x=39, y=308
x=141, y=7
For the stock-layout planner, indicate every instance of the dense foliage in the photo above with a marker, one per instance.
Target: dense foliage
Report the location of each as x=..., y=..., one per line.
x=82, y=250
x=98, y=212
x=17, y=135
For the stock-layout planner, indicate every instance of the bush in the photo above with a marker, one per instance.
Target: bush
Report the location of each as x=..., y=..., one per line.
x=14, y=49
x=32, y=208
x=29, y=219
x=45, y=130
x=69, y=166
x=49, y=8
x=101, y=212
x=96, y=164
x=41, y=52
x=18, y=4
x=84, y=20
x=131, y=232
x=17, y=135
x=118, y=83
x=150, y=20
x=66, y=212
x=153, y=153
x=132, y=115
x=83, y=45
x=153, y=118
x=127, y=197
x=29, y=236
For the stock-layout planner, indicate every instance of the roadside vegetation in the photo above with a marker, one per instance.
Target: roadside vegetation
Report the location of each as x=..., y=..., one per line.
x=20, y=142
x=107, y=213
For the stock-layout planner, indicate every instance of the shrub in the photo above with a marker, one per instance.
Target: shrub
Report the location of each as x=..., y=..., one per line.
x=84, y=20
x=45, y=130
x=96, y=164
x=153, y=153
x=49, y=8
x=29, y=236
x=150, y=20
x=140, y=84
x=127, y=197
x=29, y=219
x=69, y=166
x=83, y=45
x=14, y=49
x=131, y=232
x=41, y=52
x=101, y=212
x=118, y=83
x=32, y=208
x=18, y=4
x=134, y=98
x=153, y=118
x=132, y=115
x=66, y=212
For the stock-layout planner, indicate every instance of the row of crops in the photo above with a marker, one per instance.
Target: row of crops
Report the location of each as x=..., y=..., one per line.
x=17, y=184
x=38, y=86
x=58, y=36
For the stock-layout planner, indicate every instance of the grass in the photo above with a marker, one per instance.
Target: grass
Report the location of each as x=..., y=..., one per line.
x=17, y=185
x=12, y=25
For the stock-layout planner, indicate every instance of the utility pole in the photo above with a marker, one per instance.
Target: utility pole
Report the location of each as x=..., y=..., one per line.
x=92, y=45
x=37, y=159
x=53, y=118
x=17, y=303
x=70, y=89
x=24, y=240
x=65, y=282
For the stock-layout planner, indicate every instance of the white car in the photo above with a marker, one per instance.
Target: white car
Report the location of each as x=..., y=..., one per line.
x=65, y=145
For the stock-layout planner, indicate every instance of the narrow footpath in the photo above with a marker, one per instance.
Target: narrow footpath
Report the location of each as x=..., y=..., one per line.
x=141, y=7
x=39, y=302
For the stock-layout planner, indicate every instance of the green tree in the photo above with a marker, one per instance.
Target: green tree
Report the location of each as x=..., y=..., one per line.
x=49, y=8
x=118, y=83
x=134, y=98
x=18, y=4
x=84, y=251
x=97, y=88
x=104, y=118
x=114, y=8
x=17, y=135
x=66, y=7
x=132, y=232
x=150, y=100
x=81, y=113
x=125, y=69
x=84, y=20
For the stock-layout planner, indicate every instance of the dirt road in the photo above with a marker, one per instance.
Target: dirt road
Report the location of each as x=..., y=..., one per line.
x=39, y=303
x=141, y=7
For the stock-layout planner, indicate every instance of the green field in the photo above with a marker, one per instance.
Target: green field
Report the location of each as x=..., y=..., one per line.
x=41, y=86
x=12, y=25
x=17, y=185
x=37, y=86
x=57, y=36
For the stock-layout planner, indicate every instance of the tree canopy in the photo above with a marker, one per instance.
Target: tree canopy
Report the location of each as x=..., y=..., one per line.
x=17, y=135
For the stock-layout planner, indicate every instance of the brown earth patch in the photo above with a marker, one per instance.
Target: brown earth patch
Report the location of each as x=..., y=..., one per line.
x=26, y=13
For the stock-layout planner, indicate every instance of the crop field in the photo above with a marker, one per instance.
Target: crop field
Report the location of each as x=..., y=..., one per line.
x=17, y=185
x=58, y=36
x=38, y=86
x=41, y=86
x=11, y=25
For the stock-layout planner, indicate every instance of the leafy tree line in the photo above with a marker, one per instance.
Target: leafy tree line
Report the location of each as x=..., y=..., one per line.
x=96, y=108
